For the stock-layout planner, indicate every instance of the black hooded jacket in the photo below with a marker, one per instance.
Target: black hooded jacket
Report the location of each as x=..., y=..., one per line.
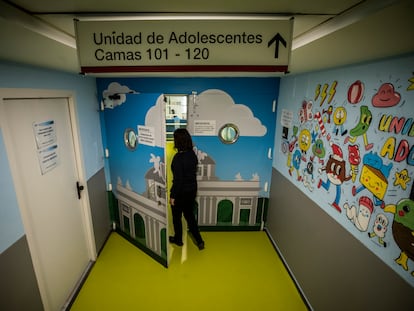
x=184, y=169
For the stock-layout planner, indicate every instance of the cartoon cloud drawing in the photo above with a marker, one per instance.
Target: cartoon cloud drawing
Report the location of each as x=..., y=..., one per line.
x=153, y=119
x=214, y=104
x=114, y=95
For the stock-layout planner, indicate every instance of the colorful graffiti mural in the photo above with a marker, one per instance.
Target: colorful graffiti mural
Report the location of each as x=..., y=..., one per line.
x=360, y=131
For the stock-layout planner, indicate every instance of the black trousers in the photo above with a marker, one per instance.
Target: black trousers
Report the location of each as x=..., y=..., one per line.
x=184, y=205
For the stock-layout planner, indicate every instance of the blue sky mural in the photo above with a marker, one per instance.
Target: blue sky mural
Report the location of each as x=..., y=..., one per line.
x=134, y=134
x=249, y=99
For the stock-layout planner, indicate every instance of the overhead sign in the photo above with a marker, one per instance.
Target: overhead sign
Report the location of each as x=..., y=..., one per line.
x=214, y=45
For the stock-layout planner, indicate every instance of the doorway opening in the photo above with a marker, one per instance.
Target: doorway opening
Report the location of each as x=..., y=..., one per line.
x=176, y=106
x=175, y=113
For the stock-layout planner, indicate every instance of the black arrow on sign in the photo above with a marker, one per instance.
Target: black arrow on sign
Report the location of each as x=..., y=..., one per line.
x=278, y=39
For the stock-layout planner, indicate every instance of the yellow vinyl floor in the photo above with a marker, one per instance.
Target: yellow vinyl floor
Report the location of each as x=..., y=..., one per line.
x=236, y=271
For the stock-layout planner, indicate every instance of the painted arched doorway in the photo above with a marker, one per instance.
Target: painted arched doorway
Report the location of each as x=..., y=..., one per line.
x=225, y=212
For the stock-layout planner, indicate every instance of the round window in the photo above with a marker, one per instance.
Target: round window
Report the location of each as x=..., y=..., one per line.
x=228, y=133
x=130, y=139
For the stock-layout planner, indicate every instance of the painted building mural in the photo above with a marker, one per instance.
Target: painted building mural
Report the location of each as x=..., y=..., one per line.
x=346, y=138
x=233, y=132
x=135, y=164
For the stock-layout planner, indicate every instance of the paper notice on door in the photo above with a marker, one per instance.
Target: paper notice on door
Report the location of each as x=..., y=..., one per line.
x=45, y=133
x=46, y=143
x=146, y=135
x=48, y=158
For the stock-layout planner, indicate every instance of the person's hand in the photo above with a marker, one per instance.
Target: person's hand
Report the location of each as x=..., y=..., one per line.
x=172, y=201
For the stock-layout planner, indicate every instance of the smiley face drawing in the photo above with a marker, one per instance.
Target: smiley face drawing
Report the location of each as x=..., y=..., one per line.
x=304, y=142
x=374, y=178
x=402, y=178
x=386, y=96
x=339, y=118
x=361, y=128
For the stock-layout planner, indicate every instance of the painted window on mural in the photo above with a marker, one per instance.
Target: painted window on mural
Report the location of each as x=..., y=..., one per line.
x=139, y=226
x=225, y=211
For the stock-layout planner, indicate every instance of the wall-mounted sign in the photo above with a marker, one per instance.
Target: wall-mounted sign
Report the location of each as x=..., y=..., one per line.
x=206, y=45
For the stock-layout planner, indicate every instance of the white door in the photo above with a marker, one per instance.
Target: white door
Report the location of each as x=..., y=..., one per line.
x=39, y=143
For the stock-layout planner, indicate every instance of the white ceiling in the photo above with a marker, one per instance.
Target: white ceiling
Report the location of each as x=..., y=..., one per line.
x=326, y=33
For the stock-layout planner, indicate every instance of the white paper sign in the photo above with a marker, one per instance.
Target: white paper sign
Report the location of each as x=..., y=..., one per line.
x=48, y=158
x=205, y=127
x=146, y=135
x=45, y=133
x=46, y=143
x=286, y=118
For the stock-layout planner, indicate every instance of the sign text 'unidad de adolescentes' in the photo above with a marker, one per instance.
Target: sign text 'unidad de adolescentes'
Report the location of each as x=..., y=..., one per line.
x=160, y=44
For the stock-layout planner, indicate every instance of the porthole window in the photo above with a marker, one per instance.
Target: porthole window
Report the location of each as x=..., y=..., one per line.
x=130, y=139
x=228, y=133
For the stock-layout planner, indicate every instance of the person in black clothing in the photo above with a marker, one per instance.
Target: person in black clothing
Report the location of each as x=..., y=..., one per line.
x=184, y=188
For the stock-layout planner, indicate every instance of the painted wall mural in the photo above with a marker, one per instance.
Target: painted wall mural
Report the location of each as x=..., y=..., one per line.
x=232, y=122
x=233, y=196
x=346, y=138
x=135, y=144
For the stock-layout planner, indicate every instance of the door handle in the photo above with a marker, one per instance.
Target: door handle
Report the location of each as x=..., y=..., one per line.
x=79, y=188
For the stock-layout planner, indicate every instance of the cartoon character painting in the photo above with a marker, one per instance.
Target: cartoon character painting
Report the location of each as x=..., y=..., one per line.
x=361, y=216
x=305, y=112
x=403, y=229
x=304, y=142
x=318, y=151
x=308, y=179
x=355, y=155
x=386, y=96
x=374, y=177
x=361, y=128
x=354, y=159
x=379, y=229
x=356, y=92
x=328, y=113
x=295, y=164
x=336, y=174
x=339, y=118
x=402, y=178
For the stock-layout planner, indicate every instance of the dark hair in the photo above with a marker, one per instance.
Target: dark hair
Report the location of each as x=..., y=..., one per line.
x=182, y=140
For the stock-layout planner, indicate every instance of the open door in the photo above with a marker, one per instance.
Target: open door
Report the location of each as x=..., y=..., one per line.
x=232, y=124
x=135, y=143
